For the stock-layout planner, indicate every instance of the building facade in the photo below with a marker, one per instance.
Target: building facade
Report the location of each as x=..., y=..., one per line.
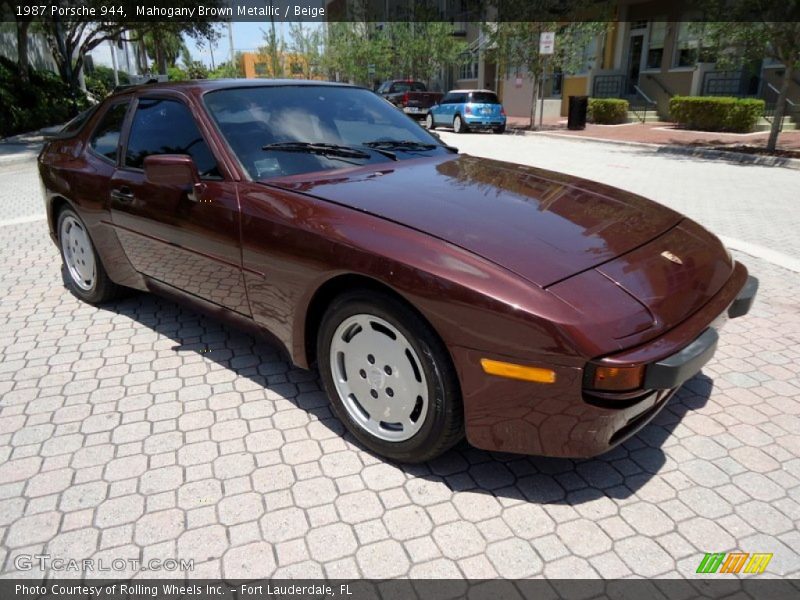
x=649, y=53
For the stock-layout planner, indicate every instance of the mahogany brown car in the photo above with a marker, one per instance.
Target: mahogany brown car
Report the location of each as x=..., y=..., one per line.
x=438, y=294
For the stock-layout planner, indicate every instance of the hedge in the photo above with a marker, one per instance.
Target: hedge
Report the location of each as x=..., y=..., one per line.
x=100, y=82
x=716, y=113
x=608, y=111
x=43, y=101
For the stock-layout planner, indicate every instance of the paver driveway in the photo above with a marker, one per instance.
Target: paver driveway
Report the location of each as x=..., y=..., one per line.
x=143, y=430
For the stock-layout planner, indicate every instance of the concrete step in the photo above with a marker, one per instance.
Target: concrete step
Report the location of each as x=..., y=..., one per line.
x=788, y=125
x=650, y=117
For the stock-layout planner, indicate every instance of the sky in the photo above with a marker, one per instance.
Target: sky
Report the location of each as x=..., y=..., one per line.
x=247, y=37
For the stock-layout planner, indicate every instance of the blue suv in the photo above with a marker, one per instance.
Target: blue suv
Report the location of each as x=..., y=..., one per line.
x=468, y=109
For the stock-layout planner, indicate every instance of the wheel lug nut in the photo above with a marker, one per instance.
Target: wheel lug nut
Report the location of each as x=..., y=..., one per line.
x=363, y=374
x=371, y=359
x=373, y=393
x=389, y=392
x=387, y=369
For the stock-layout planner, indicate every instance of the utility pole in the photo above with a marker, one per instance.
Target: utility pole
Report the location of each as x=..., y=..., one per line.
x=230, y=47
x=113, y=46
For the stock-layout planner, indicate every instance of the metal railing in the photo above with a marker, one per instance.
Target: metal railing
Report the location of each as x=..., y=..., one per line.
x=770, y=97
x=641, y=107
x=608, y=86
x=724, y=83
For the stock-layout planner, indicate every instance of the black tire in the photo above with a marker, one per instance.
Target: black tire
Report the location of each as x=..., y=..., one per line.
x=501, y=129
x=443, y=424
x=429, y=122
x=458, y=125
x=102, y=288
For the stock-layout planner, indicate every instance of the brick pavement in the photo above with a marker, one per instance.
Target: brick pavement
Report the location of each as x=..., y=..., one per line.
x=661, y=133
x=121, y=438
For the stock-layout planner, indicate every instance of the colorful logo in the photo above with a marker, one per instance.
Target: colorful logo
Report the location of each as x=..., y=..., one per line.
x=734, y=562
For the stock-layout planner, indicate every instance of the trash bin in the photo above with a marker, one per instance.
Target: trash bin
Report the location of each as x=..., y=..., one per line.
x=578, y=105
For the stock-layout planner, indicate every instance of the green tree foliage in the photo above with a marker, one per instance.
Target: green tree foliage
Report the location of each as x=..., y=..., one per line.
x=743, y=30
x=71, y=40
x=272, y=52
x=360, y=52
x=305, y=44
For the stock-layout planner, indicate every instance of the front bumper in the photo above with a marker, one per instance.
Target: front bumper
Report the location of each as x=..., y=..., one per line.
x=566, y=419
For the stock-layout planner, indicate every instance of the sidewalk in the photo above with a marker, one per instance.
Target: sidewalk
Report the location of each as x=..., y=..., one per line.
x=24, y=146
x=662, y=133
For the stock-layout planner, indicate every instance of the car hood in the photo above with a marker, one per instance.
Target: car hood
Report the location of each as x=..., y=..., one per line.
x=541, y=225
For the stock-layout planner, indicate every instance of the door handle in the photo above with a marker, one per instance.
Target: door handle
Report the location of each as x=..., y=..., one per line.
x=122, y=194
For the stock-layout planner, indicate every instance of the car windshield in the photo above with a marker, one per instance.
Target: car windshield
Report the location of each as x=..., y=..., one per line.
x=277, y=131
x=483, y=98
x=408, y=86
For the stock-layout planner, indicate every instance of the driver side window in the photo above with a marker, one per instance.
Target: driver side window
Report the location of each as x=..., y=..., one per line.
x=168, y=127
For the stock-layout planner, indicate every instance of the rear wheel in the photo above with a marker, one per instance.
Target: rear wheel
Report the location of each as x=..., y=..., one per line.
x=429, y=122
x=389, y=377
x=500, y=129
x=458, y=125
x=82, y=271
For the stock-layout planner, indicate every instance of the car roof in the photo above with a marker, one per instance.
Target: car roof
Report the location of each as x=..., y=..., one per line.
x=200, y=86
x=469, y=91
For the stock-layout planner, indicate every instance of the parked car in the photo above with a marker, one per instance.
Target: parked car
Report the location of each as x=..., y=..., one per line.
x=412, y=97
x=464, y=110
x=438, y=294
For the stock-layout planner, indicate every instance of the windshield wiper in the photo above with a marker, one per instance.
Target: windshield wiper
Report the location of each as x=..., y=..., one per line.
x=322, y=149
x=317, y=148
x=409, y=145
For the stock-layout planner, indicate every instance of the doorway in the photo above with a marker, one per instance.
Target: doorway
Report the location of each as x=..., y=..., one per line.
x=635, y=52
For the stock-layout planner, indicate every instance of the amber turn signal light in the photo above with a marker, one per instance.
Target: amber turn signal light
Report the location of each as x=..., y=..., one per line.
x=618, y=378
x=512, y=371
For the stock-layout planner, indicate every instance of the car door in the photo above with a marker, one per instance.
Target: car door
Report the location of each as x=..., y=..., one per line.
x=188, y=239
x=438, y=110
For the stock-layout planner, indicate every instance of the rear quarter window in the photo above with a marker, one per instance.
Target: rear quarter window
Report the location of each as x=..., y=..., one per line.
x=105, y=138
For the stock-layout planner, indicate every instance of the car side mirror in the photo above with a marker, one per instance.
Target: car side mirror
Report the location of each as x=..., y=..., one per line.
x=176, y=170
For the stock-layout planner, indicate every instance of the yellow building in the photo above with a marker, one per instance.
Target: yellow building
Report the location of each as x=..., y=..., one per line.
x=256, y=65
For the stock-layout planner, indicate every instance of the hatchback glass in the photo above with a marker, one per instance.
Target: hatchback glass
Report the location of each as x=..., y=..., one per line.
x=483, y=98
x=287, y=130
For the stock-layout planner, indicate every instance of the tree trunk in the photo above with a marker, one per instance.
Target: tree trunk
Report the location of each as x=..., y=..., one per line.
x=780, y=109
x=533, y=102
x=161, y=57
x=22, y=49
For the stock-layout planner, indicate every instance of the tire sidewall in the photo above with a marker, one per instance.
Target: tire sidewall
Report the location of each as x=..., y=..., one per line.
x=395, y=313
x=458, y=124
x=93, y=294
x=429, y=121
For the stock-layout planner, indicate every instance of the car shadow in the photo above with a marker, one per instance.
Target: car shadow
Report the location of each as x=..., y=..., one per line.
x=617, y=474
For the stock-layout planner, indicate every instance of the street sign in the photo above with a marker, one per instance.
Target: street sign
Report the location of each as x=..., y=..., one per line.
x=371, y=70
x=547, y=42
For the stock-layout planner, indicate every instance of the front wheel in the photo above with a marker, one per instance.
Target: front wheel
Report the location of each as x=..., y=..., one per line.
x=389, y=377
x=82, y=271
x=458, y=125
x=429, y=122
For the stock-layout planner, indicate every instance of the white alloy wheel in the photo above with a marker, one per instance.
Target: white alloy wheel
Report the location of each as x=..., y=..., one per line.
x=379, y=377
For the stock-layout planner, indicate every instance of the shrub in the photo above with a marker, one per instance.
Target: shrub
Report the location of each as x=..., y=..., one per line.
x=608, y=111
x=100, y=82
x=716, y=113
x=45, y=100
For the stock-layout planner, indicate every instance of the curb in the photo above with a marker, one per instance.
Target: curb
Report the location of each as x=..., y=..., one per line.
x=699, y=151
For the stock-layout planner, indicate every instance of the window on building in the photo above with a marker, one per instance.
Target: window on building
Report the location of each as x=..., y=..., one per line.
x=105, y=139
x=689, y=47
x=468, y=70
x=167, y=127
x=655, y=45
